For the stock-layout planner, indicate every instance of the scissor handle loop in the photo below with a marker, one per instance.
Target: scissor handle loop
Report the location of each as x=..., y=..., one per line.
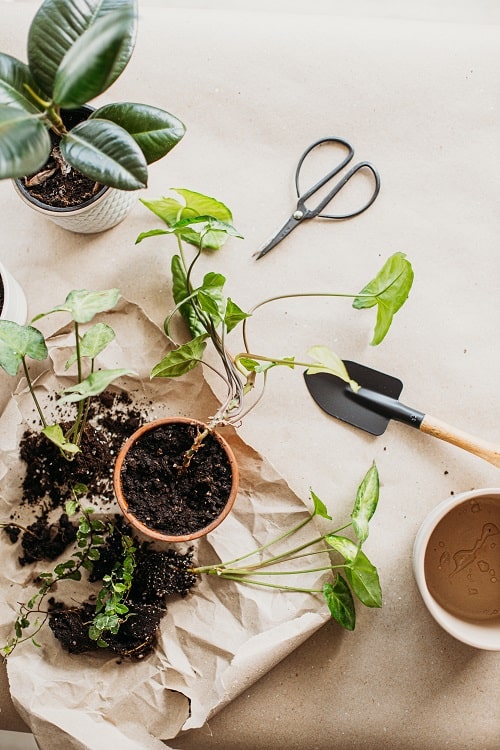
x=311, y=213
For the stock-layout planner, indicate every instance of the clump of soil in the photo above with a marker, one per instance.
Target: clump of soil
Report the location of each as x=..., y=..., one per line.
x=159, y=575
x=48, y=483
x=164, y=493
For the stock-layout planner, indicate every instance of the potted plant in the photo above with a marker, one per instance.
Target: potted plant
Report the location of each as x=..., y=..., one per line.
x=66, y=157
x=13, y=304
x=210, y=316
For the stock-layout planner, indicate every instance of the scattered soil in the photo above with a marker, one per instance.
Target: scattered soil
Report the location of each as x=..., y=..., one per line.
x=47, y=485
x=165, y=494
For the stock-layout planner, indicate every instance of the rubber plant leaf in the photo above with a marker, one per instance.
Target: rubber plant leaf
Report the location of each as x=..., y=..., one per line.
x=365, y=503
x=83, y=305
x=24, y=143
x=105, y=152
x=58, y=27
x=389, y=290
x=340, y=602
x=155, y=131
x=93, y=384
x=17, y=342
x=14, y=77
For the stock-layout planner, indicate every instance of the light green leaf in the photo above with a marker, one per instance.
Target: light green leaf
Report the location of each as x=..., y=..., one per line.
x=344, y=546
x=24, y=142
x=181, y=360
x=55, y=434
x=105, y=152
x=93, y=342
x=57, y=26
x=93, y=384
x=83, y=305
x=234, y=315
x=155, y=131
x=340, y=602
x=328, y=361
x=211, y=298
x=389, y=290
x=366, y=503
x=320, y=508
x=364, y=581
x=16, y=342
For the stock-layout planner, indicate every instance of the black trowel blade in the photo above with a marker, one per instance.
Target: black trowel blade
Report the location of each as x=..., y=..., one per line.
x=336, y=398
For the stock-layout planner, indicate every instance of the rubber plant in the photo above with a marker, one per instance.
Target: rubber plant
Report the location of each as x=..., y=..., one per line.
x=76, y=49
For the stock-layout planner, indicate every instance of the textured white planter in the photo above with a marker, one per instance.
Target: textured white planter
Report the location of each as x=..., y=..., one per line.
x=14, y=305
x=106, y=210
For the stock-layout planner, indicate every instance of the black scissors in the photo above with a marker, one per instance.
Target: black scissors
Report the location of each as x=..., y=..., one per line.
x=302, y=213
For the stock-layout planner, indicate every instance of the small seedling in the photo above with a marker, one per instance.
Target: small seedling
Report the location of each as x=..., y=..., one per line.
x=18, y=343
x=111, y=608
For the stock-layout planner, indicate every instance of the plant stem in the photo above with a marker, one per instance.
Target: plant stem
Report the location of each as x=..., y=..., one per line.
x=32, y=392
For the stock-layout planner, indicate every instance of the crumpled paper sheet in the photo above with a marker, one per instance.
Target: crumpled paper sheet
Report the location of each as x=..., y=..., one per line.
x=213, y=644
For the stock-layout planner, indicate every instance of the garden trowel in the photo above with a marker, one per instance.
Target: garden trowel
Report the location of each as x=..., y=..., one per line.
x=377, y=402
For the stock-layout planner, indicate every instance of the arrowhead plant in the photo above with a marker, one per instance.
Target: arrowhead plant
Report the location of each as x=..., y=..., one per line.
x=76, y=50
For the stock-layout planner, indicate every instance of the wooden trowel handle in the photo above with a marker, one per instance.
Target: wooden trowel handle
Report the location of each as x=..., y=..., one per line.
x=482, y=448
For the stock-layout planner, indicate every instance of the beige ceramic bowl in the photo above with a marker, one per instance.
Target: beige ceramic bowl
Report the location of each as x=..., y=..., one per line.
x=482, y=634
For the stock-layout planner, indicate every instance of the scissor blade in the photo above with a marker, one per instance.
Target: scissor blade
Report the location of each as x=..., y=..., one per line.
x=280, y=235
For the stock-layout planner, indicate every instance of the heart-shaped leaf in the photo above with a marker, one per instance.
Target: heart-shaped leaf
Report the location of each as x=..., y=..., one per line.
x=17, y=342
x=83, y=305
x=340, y=602
x=181, y=360
x=93, y=342
x=93, y=385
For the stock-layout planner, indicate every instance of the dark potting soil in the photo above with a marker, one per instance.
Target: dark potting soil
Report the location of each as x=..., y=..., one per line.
x=165, y=494
x=59, y=185
x=48, y=483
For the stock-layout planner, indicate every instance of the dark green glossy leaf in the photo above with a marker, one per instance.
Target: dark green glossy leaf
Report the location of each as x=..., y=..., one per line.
x=155, y=131
x=24, y=142
x=105, y=152
x=83, y=305
x=364, y=581
x=389, y=290
x=14, y=76
x=93, y=384
x=18, y=341
x=340, y=602
x=366, y=503
x=61, y=25
x=211, y=298
x=181, y=360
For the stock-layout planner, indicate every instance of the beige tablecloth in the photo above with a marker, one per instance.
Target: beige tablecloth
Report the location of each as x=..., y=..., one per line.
x=420, y=100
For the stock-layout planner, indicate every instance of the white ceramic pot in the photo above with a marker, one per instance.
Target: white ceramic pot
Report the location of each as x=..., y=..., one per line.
x=467, y=554
x=106, y=210
x=14, y=306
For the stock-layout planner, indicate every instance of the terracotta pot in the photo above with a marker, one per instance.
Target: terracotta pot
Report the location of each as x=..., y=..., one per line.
x=105, y=210
x=122, y=500
x=13, y=304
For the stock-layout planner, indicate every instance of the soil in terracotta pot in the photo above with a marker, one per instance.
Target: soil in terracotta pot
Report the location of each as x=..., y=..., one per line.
x=168, y=496
x=48, y=532
x=1, y=295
